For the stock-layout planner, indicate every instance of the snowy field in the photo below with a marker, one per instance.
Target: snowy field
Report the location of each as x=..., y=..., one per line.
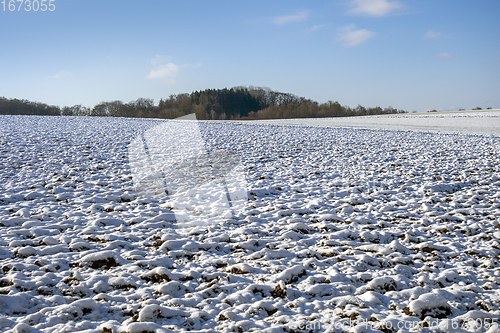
x=472, y=122
x=344, y=230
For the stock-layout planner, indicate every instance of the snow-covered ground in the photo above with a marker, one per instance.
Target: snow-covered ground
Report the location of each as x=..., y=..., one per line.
x=472, y=122
x=345, y=229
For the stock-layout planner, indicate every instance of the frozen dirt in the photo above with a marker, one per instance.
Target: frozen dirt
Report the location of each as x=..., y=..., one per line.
x=354, y=230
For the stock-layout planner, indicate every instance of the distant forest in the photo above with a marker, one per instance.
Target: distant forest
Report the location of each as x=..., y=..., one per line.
x=210, y=104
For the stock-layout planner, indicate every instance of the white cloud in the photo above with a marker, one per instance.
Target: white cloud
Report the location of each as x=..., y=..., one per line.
x=443, y=55
x=301, y=16
x=60, y=75
x=159, y=59
x=376, y=8
x=167, y=71
x=318, y=26
x=431, y=34
x=351, y=37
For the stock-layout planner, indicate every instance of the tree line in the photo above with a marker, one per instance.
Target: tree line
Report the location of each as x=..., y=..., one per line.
x=24, y=107
x=210, y=104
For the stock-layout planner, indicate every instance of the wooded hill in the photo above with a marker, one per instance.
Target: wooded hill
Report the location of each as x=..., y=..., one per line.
x=210, y=104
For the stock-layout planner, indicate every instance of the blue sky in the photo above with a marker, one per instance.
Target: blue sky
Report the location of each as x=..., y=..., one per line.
x=413, y=55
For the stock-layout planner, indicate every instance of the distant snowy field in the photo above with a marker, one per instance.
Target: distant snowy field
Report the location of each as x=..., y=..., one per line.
x=472, y=122
x=346, y=229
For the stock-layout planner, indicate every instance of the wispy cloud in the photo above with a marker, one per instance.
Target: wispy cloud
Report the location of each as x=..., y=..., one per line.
x=376, y=8
x=432, y=34
x=351, y=37
x=159, y=59
x=301, y=16
x=60, y=75
x=443, y=55
x=168, y=71
x=318, y=26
